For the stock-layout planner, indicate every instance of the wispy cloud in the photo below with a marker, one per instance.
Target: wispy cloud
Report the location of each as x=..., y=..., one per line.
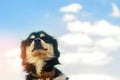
x=116, y=11
x=74, y=8
x=69, y=17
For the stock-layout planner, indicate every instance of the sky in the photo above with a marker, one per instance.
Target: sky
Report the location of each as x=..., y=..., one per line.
x=88, y=33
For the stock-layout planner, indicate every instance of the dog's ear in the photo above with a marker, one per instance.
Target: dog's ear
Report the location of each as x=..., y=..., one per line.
x=56, y=51
x=54, y=61
x=23, y=52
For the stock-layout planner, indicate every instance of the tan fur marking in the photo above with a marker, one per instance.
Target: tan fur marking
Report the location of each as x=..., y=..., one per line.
x=39, y=64
x=32, y=36
x=42, y=35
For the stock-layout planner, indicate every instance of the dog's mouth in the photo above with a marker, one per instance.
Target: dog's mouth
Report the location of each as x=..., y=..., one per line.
x=38, y=48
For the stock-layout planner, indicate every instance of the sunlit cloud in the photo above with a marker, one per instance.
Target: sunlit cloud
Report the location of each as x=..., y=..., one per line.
x=94, y=58
x=88, y=44
x=116, y=11
x=98, y=28
x=69, y=17
x=92, y=77
x=11, y=68
x=76, y=39
x=13, y=57
x=91, y=41
x=74, y=8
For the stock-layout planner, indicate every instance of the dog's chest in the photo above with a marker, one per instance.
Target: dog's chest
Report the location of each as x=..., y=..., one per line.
x=38, y=66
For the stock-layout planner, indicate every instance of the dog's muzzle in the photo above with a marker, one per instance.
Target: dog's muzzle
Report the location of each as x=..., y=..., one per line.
x=38, y=44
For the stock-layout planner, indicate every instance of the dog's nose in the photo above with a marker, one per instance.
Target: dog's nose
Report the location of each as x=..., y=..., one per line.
x=37, y=44
x=37, y=41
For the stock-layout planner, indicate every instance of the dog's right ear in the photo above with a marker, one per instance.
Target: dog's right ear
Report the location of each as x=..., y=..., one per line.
x=23, y=51
x=55, y=44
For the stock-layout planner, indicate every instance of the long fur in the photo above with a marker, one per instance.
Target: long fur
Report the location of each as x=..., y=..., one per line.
x=42, y=64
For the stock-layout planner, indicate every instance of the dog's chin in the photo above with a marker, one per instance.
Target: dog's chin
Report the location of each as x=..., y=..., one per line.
x=38, y=52
x=41, y=54
x=38, y=49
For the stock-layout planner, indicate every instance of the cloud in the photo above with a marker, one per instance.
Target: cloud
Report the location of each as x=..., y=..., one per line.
x=92, y=77
x=10, y=68
x=69, y=17
x=98, y=28
x=109, y=43
x=76, y=39
x=89, y=42
x=13, y=57
x=92, y=42
x=74, y=8
x=96, y=58
x=116, y=11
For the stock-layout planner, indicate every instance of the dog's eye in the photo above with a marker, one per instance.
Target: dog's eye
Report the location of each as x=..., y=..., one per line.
x=29, y=41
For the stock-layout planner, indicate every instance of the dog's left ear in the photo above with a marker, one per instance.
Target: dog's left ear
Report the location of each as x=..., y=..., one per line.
x=56, y=51
x=23, y=52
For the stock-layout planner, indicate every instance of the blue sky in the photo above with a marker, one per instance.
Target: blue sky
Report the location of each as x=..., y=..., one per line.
x=89, y=38
x=19, y=16
x=26, y=15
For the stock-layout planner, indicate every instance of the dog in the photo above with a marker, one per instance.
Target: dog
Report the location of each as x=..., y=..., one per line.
x=39, y=54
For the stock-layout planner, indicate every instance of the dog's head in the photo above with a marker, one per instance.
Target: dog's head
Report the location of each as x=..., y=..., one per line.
x=39, y=46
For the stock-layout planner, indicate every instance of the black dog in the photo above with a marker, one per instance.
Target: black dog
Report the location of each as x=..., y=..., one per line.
x=39, y=53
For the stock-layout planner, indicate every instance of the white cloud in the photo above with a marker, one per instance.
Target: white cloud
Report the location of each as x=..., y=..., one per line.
x=76, y=39
x=78, y=26
x=91, y=42
x=13, y=57
x=69, y=17
x=93, y=58
x=68, y=58
x=11, y=68
x=93, y=50
x=116, y=11
x=92, y=77
x=74, y=8
x=99, y=28
x=108, y=44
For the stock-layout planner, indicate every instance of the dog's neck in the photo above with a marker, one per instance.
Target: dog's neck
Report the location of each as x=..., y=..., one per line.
x=46, y=66
x=44, y=70
x=38, y=66
x=45, y=75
